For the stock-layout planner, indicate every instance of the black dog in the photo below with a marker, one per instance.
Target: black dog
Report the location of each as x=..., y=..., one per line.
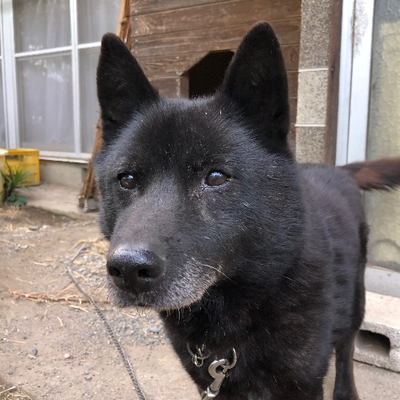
x=212, y=222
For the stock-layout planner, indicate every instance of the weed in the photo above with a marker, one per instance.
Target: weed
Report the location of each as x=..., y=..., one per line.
x=15, y=179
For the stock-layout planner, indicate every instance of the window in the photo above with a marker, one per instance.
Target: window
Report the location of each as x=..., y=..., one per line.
x=383, y=139
x=50, y=58
x=2, y=121
x=368, y=122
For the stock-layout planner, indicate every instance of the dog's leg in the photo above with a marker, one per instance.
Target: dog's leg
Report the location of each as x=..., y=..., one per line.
x=345, y=388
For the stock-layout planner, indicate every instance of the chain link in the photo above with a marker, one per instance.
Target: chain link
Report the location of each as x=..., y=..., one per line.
x=128, y=365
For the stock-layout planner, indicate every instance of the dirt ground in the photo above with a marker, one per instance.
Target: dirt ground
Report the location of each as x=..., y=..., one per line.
x=54, y=346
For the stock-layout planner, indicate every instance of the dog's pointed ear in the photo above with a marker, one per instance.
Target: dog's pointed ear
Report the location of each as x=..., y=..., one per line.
x=122, y=87
x=256, y=82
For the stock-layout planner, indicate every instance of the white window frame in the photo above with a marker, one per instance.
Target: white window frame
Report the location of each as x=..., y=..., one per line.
x=354, y=96
x=354, y=80
x=8, y=59
x=3, y=94
x=9, y=77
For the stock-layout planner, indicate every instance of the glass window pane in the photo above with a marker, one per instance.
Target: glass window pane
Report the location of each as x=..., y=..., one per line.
x=95, y=18
x=88, y=59
x=45, y=102
x=41, y=24
x=383, y=209
x=2, y=122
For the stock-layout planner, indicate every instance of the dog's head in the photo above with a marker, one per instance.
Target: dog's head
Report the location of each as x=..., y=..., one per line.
x=192, y=190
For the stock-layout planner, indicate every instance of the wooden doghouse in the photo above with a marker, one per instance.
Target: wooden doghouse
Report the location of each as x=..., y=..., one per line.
x=185, y=46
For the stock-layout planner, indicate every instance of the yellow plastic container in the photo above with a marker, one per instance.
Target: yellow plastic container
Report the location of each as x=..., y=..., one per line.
x=26, y=159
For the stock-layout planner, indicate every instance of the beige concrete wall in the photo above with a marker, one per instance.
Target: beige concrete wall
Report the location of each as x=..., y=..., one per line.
x=62, y=173
x=313, y=80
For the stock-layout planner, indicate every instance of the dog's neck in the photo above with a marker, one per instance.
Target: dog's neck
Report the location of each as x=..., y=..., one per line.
x=216, y=324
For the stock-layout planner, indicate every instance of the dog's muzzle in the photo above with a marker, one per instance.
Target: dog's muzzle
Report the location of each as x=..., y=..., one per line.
x=135, y=271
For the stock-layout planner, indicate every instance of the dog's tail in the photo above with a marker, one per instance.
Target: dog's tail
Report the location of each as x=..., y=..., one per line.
x=382, y=174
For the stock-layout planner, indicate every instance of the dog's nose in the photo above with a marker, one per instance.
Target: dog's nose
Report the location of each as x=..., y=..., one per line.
x=135, y=270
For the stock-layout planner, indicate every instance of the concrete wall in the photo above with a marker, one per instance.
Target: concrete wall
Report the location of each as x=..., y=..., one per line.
x=62, y=173
x=313, y=80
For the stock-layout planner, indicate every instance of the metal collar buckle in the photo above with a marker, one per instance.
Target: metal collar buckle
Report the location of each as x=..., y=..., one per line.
x=198, y=357
x=218, y=370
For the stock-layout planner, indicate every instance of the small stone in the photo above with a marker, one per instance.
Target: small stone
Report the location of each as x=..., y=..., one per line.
x=88, y=378
x=25, y=337
x=12, y=390
x=10, y=372
x=67, y=356
x=24, y=246
x=34, y=228
x=155, y=329
x=34, y=352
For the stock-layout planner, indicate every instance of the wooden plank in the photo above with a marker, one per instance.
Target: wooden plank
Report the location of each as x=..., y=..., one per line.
x=171, y=66
x=293, y=109
x=293, y=79
x=291, y=57
x=292, y=138
x=172, y=86
x=168, y=86
x=213, y=15
x=123, y=30
x=219, y=38
x=333, y=83
x=147, y=6
x=159, y=67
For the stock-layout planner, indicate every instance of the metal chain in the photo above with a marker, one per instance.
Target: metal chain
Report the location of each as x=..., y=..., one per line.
x=128, y=365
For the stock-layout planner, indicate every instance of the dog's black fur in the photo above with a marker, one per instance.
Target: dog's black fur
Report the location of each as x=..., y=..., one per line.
x=212, y=222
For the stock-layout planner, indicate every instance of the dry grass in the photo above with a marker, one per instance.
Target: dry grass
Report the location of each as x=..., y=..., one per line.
x=88, y=269
x=10, y=392
x=11, y=212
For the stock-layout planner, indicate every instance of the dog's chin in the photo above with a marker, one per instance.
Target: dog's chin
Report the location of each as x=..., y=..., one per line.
x=153, y=299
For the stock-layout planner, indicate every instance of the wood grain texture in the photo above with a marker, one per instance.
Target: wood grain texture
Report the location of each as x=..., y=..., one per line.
x=293, y=109
x=168, y=86
x=293, y=78
x=178, y=87
x=169, y=66
x=213, y=15
x=218, y=38
x=170, y=37
x=150, y=6
x=291, y=57
x=292, y=138
x=176, y=65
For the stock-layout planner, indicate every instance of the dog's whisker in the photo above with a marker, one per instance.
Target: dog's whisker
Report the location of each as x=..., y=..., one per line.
x=216, y=269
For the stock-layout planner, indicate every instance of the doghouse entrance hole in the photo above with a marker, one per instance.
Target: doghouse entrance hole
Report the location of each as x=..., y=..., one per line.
x=208, y=74
x=374, y=343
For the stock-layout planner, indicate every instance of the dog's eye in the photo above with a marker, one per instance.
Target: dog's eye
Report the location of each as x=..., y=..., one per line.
x=127, y=181
x=216, y=178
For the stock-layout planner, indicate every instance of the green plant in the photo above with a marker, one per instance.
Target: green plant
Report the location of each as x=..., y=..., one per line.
x=13, y=180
